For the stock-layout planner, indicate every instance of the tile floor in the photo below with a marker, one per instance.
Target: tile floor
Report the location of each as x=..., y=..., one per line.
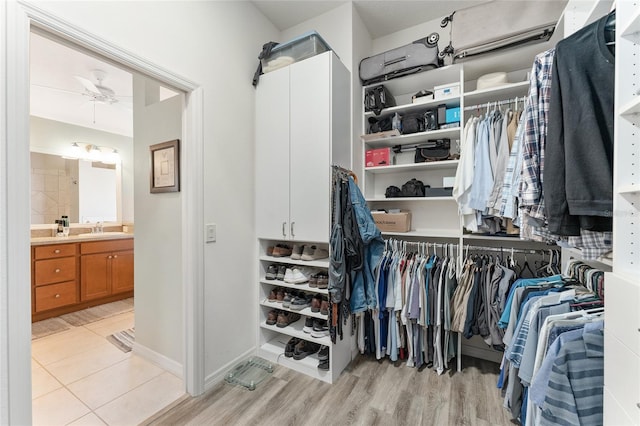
x=79, y=378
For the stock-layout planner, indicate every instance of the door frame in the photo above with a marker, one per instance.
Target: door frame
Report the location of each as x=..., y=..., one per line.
x=15, y=308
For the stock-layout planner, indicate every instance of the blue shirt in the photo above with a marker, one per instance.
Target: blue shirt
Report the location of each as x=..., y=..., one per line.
x=523, y=282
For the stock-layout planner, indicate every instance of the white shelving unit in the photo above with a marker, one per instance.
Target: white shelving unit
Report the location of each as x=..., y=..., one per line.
x=622, y=315
x=272, y=339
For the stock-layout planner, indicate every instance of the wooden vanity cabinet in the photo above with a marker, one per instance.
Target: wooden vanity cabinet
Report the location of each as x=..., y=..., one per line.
x=68, y=277
x=106, y=268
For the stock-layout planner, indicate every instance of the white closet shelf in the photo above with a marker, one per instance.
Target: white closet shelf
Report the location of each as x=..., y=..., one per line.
x=295, y=330
x=631, y=108
x=273, y=351
x=304, y=287
x=453, y=134
x=399, y=199
x=306, y=311
x=451, y=102
x=629, y=189
x=576, y=253
x=422, y=233
x=492, y=238
x=426, y=80
x=506, y=91
x=323, y=263
x=633, y=28
x=433, y=165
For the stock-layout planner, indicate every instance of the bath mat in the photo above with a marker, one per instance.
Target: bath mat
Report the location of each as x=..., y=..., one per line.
x=48, y=327
x=123, y=340
x=96, y=313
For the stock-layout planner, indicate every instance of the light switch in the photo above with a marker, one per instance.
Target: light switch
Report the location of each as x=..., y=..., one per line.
x=210, y=232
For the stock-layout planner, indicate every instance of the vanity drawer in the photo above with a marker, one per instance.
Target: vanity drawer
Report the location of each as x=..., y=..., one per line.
x=106, y=246
x=56, y=295
x=54, y=250
x=51, y=271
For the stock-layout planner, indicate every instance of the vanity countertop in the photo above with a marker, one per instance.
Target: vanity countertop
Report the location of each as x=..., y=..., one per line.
x=40, y=241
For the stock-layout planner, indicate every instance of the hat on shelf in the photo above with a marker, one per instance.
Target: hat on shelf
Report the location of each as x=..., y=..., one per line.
x=493, y=79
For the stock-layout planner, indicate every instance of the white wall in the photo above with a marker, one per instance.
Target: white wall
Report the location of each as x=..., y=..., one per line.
x=362, y=46
x=215, y=44
x=55, y=137
x=158, y=251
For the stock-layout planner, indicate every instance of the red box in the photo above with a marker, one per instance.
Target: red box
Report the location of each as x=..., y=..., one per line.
x=377, y=157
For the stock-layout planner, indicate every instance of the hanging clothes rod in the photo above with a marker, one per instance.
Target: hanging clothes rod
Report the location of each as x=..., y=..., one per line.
x=468, y=247
x=495, y=103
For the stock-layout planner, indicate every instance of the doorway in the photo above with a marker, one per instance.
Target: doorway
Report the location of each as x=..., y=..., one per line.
x=23, y=17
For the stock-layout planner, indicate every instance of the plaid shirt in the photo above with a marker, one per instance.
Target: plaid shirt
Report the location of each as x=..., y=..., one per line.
x=535, y=136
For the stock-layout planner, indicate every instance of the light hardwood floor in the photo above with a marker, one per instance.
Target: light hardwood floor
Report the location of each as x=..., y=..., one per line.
x=367, y=393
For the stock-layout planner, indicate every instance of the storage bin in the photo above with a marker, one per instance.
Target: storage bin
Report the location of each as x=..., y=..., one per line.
x=302, y=47
x=378, y=157
x=445, y=91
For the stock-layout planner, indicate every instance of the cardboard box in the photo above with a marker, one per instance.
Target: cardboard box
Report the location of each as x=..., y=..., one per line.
x=392, y=222
x=377, y=157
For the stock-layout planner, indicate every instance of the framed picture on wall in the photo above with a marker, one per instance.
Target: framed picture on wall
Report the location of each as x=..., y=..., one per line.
x=165, y=166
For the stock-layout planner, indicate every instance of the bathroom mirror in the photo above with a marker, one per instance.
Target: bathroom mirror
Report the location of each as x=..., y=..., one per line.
x=85, y=191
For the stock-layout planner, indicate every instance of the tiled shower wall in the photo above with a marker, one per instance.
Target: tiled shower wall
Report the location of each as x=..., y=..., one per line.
x=54, y=188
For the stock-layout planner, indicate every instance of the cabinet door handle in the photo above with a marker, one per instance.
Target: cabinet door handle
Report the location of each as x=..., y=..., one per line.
x=57, y=270
x=57, y=296
x=109, y=257
x=291, y=229
x=56, y=251
x=115, y=256
x=284, y=233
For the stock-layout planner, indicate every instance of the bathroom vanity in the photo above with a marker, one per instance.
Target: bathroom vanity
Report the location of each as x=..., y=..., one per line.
x=76, y=272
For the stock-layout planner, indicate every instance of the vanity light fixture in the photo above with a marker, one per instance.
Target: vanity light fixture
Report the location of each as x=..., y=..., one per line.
x=111, y=157
x=95, y=153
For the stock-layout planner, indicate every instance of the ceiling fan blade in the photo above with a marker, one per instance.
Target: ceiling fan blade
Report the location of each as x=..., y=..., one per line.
x=88, y=84
x=56, y=89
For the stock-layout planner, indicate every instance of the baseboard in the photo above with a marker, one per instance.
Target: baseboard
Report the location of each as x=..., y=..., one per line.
x=217, y=376
x=160, y=360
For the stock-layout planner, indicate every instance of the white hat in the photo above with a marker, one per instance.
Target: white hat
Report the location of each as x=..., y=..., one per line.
x=492, y=80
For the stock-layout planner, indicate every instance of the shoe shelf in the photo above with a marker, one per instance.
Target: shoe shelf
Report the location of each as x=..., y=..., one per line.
x=273, y=351
x=322, y=263
x=304, y=312
x=303, y=287
x=295, y=330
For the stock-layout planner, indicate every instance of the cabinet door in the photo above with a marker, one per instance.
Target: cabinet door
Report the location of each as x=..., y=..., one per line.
x=95, y=279
x=272, y=155
x=310, y=148
x=122, y=272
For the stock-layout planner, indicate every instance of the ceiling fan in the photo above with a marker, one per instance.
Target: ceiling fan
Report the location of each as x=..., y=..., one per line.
x=97, y=92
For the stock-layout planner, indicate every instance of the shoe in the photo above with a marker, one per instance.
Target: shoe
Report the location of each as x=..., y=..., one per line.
x=269, y=250
x=305, y=349
x=296, y=277
x=273, y=295
x=324, y=306
x=314, y=253
x=300, y=302
x=272, y=317
x=320, y=328
x=313, y=280
x=316, y=302
x=308, y=325
x=288, y=275
x=297, y=251
x=324, y=365
x=288, y=297
x=323, y=281
x=280, y=295
x=323, y=354
x=272, y=272
x=281, y=250
x=286, y=318
x=281, y=271
x=290, y=346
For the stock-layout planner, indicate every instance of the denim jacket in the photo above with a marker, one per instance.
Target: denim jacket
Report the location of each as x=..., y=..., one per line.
x=363, y=295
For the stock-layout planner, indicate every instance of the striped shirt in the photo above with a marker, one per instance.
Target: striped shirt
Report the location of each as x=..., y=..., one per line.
x=575, y=390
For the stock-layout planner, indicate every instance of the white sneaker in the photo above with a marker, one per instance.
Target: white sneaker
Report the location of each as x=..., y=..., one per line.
x=288, y=275
x=297, y=251
x=297, y=277
x=314, y=253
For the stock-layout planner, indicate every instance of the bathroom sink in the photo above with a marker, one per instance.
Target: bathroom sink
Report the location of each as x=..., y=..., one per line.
x=102, y=234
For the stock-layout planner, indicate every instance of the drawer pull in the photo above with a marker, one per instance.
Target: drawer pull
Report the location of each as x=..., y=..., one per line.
x=56, y=251
x=57, y=296
x=57, y=270
x=109, y=257
x=115, y=256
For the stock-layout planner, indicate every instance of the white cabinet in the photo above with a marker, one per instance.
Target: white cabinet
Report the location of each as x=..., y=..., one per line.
x=300, y=131
x=622, y=321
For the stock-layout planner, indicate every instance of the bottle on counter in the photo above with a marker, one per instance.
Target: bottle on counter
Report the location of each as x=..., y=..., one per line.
x=60, y=226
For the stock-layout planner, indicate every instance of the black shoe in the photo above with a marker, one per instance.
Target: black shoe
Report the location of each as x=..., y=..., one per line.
x=320, y=328
x=291, y=344
x=324, y=365
x=272, y=272
x=323, y=354
x=306, y=349
x=308, y=325
x=281, y=270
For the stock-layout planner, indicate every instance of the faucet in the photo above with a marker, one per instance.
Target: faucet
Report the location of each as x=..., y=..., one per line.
x=98, y=228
